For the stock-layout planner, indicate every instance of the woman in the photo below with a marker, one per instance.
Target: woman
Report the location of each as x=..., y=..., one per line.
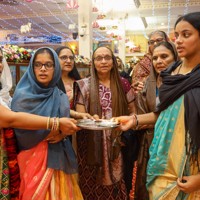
x=121, y=70
x=100, y=161
x=143, y=67
x=69, y=71
x=173, y=167
x=9, y=183
x=163, y=55
x=37, y=93
x=6, y=83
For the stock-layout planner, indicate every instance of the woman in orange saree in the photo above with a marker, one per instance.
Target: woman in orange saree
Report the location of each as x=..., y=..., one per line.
x=48, y=167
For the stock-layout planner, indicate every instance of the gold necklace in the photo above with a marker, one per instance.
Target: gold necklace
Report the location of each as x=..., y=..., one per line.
x=179, y=69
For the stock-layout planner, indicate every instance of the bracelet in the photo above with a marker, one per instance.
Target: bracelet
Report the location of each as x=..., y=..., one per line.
x=55, y=124
x=75, y=114
x=53, y=127
x=137, y=122
x=48, y=122
x=58, y=123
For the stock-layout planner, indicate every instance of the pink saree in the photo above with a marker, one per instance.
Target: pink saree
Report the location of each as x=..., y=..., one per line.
x=41, y=183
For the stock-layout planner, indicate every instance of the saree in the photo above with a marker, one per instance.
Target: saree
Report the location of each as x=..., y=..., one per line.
x=111, y=185
x=9, y=169
x=145, y=102
x=4, y=170
x=174, y=131
x=168, y=159
x=32, y=97
x=142, y=69
x=44, y=179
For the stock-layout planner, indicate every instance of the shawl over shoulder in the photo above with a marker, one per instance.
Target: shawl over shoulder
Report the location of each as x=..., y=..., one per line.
x=32, y=97
x=188, y=85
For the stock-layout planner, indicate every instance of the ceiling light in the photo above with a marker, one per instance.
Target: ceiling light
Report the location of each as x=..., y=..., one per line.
x=137, y=3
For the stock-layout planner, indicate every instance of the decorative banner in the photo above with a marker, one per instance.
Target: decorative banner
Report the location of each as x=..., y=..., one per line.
x=72, y=4
x=95, y=9
x=95, y=24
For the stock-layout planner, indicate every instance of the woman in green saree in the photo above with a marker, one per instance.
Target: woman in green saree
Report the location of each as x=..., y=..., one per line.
x=173, y=167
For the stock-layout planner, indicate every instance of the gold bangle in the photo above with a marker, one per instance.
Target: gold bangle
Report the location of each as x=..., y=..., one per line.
x=75, y=114
x=137, y=122
x=48, y=122
x=58, y=124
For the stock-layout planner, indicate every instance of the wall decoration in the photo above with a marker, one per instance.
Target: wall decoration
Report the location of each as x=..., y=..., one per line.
x=72, y=4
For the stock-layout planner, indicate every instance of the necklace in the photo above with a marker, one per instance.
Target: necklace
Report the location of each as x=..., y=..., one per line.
x=179, y=69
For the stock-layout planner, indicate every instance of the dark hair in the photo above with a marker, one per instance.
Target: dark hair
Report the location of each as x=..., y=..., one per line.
x=121, y=67
x=74, y=73
x=192, y=18
x=119, y=100
x=161, y=33
x=170, y=46
x=44, y=50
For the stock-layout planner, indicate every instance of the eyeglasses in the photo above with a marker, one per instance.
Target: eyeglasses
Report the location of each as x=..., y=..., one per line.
x=64, y=58
x=100, y=58
x=47, y=66
x=152, y=42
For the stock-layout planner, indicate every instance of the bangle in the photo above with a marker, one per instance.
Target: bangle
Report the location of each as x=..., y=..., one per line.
x=48, y=122
x=75, y=114
x=58, y=124
x=55, y=124
x=137, y=122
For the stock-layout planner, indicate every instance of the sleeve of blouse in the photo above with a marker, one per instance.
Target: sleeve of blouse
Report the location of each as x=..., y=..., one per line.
x=79, y=99
x=128, y=90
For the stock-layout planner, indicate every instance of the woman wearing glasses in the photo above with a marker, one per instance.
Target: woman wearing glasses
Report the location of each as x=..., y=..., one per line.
x=69, y=71
x=99, y=152
x=163, y=54
x=173, y=167
x=142, y=68
x=48, y=168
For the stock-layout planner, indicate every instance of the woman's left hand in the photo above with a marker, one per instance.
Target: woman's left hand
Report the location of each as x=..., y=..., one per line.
x=80, y=115
x=55, y=136
x=189, y=184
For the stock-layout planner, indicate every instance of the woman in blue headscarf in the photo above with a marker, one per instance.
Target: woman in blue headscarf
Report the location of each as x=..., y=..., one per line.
x=48, y=167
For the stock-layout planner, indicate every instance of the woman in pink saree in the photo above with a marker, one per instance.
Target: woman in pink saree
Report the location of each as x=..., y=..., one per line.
x=99, y=152
x=47, y=162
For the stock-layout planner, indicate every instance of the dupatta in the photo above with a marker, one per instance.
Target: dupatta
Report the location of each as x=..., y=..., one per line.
x=188, y=85
x=32, y=97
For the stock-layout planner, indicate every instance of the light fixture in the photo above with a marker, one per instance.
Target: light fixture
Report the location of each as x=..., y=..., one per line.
x=25, y=28
x=137, y=3
x=144, y=22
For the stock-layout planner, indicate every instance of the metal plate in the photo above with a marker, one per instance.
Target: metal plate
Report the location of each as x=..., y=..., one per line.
x=97, y=124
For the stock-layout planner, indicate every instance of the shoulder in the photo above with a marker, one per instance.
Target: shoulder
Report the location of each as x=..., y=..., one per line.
x=83, y=82
x=125, y=83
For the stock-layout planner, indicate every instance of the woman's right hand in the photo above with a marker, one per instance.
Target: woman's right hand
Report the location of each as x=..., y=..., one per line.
x=68, y=126
x=126, y=122
x=138, y=86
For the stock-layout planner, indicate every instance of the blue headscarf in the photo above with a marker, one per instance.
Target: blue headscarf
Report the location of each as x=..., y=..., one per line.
x=32, y=97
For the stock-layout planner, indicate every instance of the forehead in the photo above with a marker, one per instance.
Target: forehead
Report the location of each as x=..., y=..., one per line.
x=44, y=55
x=66, y=52
x=161, y=50
x=156, y=35
x=102, y=51
x=184, y=26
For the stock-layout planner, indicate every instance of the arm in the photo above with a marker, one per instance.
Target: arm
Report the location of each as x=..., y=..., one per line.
x=28, y=121
x=128, y=122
